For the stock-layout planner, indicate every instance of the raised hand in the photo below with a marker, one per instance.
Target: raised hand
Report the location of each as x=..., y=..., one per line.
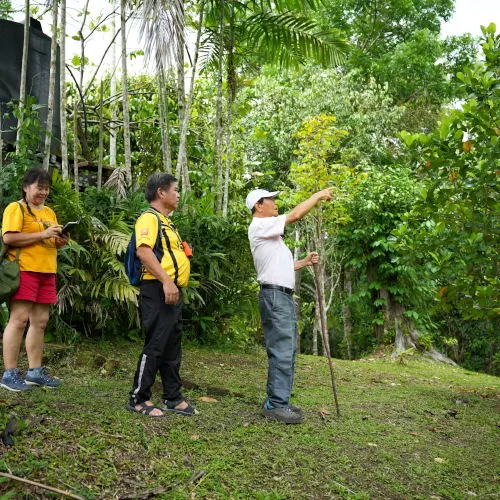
x=325, y=194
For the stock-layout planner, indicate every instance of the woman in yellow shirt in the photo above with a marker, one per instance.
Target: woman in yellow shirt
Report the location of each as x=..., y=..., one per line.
x=32, y=227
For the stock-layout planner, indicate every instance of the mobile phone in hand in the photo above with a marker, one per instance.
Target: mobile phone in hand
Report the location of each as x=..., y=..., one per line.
x=67, y=227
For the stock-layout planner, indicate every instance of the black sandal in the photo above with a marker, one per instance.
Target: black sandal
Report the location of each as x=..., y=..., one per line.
x=170, y=405
x=144, y=410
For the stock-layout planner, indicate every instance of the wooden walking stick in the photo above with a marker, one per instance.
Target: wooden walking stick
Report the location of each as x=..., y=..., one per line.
x=318, y=282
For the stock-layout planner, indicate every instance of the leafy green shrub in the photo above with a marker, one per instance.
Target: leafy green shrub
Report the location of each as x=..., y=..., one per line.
x=221, y=274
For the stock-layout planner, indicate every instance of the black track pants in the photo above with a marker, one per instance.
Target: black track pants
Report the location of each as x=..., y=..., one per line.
x=162, y=325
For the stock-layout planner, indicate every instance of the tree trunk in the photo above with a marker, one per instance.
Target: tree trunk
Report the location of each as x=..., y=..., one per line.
x=225, y=196
x=62, y=92
x=383, y=293
x=75, y=147
x=231, y=94
x=298, y=281
x=316, y=328
x=378, y=329
x=82, y=138
x=182, y=159
x=218, y=112
x=52, y=87
x=112, y=92
x=319, y=281
x=126, y=115
x=231, y=66
x=347, y=312
x=181, y=86
x=164, y=122
x=394, y=315
x=101, y=138
x=320, y=291
x=407, y=336
x=24, y=72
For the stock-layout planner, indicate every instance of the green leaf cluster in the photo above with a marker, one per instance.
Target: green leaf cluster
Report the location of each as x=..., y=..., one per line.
x=455, y=219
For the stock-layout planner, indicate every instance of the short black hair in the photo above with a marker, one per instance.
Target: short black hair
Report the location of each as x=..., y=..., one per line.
x=259, y=201
x=156, y=181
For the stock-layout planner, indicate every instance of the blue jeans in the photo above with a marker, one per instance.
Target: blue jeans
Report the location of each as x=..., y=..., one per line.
x=277, y=313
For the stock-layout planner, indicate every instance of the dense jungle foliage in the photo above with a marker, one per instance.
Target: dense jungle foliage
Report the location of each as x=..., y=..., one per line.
x=407, y=131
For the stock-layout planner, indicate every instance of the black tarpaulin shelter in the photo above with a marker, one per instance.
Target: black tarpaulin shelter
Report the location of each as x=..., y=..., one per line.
x=37, y=83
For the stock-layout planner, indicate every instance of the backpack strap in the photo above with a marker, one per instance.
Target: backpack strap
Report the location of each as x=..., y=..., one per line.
x=18, y=250
x=172, y=256
x=157, y=249
x=161, y=230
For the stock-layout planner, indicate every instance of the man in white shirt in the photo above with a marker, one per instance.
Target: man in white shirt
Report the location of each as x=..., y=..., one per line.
x=276, y=274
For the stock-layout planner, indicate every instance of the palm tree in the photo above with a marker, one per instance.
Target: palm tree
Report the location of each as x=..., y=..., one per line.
x=218, y=110
x=126, y=116
x=52, y=86
x=112, y=91
x=62, y=92
x=246, y=33
x=164, y=121
x=182, y=160
x=75, y=146
x=163, y=29
x=24, y=72
x=238, y=33
x=101, y=137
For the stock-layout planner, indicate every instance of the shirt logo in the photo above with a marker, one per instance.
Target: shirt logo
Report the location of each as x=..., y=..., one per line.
x=144, y=232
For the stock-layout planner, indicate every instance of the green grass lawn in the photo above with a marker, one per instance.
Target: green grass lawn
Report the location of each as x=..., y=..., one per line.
x=418, y=430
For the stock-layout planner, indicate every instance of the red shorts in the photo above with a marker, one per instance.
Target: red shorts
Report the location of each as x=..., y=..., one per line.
x=39, y=288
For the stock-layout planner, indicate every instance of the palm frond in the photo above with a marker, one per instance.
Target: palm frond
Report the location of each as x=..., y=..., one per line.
x=71, y=252
x=118, y=289
x=162, y=29
x=118, y=181
x=114, y=241
x=284, y=5
x=200, y=287
x=96, y=224
x=67, y=297
x=210, y=51
x=213, y=12
x=291, y=38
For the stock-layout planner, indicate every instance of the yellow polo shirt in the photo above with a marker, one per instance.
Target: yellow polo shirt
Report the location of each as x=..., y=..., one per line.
x=174, y=261
x=39, y=257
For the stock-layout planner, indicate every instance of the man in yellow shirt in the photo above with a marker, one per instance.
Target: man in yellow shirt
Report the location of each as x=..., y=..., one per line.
x=160, y=299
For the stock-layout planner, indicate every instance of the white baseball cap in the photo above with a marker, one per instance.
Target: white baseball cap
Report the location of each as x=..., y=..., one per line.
x=254, y=196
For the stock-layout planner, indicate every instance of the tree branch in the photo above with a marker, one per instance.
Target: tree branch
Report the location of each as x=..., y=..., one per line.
x=40, y=485
x=103, y=56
